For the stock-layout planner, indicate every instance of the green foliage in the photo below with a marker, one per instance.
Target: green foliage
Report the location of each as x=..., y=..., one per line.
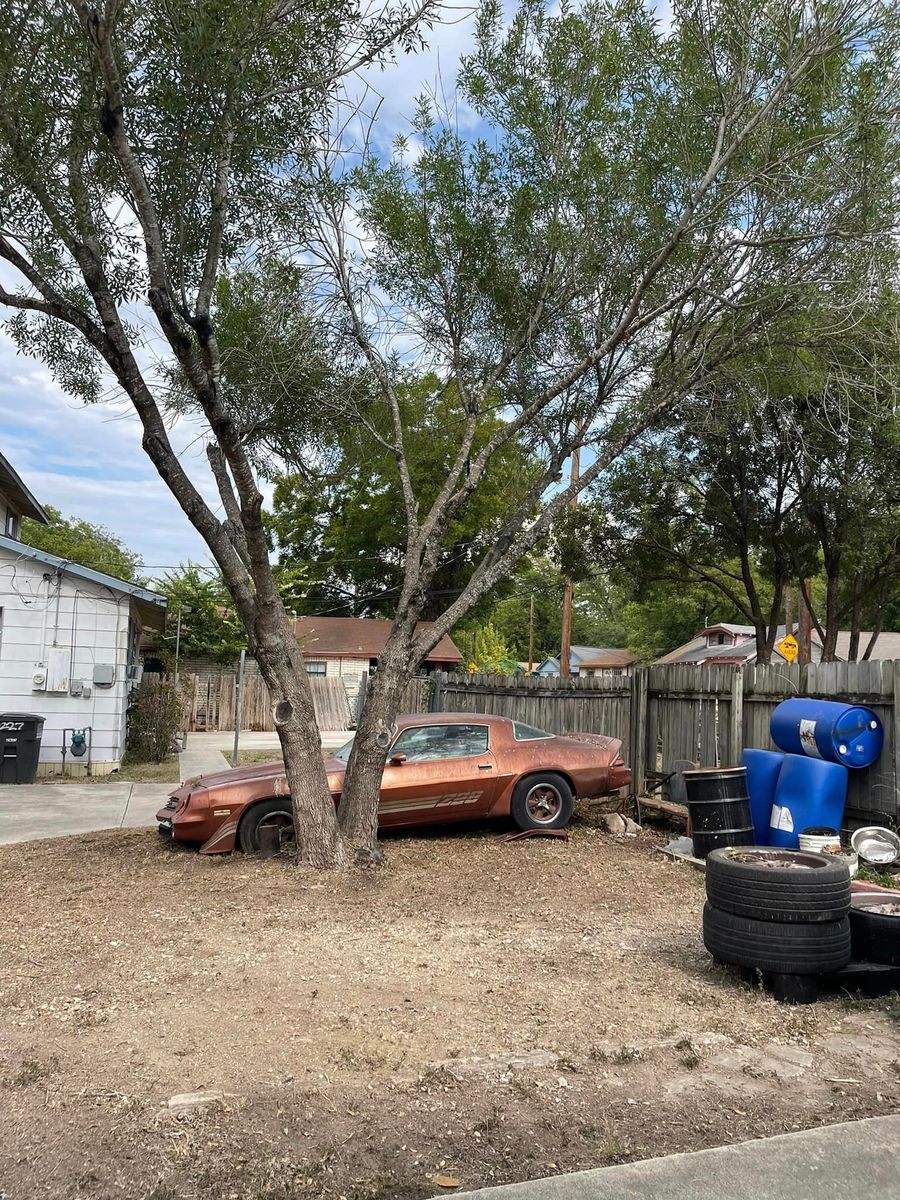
x=209, y=626
x=492, y=655
x=347, y=531
x=81, y=542
x=156, y=712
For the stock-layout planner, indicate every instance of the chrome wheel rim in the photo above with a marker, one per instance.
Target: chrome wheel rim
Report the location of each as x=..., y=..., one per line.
x=543, y=803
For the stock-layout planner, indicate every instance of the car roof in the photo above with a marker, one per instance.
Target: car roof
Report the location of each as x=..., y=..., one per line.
x=451, y=718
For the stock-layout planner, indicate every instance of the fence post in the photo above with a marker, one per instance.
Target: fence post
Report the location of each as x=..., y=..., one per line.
x=638, y=755
x=436, y=699
x=896, y=730
x=737, y=715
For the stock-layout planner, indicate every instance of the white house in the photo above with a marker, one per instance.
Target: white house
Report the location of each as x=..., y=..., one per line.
x=69, y=639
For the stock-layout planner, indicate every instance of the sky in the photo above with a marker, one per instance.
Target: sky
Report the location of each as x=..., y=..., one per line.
x=88, y=461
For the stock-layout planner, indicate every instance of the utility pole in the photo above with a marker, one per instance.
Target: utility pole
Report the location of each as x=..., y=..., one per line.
x=788, y=610
x=565, y=653
x=531, y=634
x=177, y=645
x=238, y=706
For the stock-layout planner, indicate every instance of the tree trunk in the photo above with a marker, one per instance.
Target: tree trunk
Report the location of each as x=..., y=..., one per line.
x=362, y=783
x=855, y=620
x=829, y=646
x=318, y=838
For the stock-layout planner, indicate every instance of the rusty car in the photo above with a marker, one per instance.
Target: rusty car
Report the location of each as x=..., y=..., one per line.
x=439, y=768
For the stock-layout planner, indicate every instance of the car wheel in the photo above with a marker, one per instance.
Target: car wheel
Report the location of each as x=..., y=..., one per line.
x=777, y=947
x=267, y=812
x=542, y=802
x=770, y=884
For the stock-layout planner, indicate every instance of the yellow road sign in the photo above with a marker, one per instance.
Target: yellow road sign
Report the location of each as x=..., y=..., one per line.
x=789, y=647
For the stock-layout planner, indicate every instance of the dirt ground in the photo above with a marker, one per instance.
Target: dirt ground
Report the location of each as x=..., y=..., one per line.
x=477, y=1011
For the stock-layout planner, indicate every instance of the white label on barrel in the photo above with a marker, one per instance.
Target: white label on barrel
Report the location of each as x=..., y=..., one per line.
x=808, y=738
x=775, y=817
x=785, y=820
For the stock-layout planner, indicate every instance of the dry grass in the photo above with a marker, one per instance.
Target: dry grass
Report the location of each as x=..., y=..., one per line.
x=481, y=1009
x=128, y=772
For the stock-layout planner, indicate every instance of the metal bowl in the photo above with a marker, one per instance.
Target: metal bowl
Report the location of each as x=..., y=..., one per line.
x=877, y=846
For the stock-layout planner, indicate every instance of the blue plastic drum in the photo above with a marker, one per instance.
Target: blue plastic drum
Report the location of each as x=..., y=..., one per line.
x=810, y=793
x=763, y=769
x=840, y=733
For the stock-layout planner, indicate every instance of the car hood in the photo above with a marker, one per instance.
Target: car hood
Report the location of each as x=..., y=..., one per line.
x=257, y=773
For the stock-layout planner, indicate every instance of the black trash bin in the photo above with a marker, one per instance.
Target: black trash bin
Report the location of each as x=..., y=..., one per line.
x=20, y=738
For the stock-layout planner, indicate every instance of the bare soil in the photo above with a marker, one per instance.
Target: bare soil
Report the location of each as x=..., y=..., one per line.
x=478, y=1011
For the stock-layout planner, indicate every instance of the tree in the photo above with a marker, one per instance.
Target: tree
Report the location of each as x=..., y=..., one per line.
x=81, y=542
x=209, y=625
x=146, y=150
x=344, y=526
x=492, y=654
x=635, y=209
x=707, y=504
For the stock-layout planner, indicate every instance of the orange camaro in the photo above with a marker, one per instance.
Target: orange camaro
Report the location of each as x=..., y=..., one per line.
x=439, y=767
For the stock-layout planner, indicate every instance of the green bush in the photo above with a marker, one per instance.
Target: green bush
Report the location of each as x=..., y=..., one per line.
x=155, y=715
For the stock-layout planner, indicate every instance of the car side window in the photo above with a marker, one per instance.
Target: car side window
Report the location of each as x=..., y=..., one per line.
x=424, y=742
x=528, y=733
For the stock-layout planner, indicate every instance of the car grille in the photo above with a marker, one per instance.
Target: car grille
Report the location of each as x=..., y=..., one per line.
x=172, y=802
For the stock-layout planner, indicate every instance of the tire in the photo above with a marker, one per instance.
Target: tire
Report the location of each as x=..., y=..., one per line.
x=750, y=882
x=876, y=936
x=776, y=947
x=260, y=814
x=535, y=791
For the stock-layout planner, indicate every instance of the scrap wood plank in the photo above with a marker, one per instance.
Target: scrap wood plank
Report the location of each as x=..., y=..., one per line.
x=657, y=804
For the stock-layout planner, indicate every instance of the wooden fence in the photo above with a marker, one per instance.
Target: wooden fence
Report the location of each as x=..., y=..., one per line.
x=704, y=714
x=212, y=698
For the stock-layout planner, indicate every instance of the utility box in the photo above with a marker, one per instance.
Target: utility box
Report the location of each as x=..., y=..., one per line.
x=104, y=674
x=20, y=741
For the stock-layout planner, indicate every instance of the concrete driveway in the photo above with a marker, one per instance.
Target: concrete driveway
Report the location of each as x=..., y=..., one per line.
x=48, y=810
x=857, y=1160
x=223, y=740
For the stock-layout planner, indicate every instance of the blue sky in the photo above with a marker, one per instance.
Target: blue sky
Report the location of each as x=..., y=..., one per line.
x=88, y=461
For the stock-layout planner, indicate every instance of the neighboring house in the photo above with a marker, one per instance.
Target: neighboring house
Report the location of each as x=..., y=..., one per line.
x=350, y=647
x=736, y=644
x=727, y=644
x=591, y=660
x=69, y=640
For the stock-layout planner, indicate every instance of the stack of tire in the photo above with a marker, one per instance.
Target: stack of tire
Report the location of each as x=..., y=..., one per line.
x=782, y=913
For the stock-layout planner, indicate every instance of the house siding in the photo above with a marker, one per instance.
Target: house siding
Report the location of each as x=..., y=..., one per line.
x=67, y=632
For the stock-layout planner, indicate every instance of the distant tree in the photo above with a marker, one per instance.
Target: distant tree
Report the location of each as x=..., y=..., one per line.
x=81, y=542
x=209, y=625
x=492, y=654
x=345, y=529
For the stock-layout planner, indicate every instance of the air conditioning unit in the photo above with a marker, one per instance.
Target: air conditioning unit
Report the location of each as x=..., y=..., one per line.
x=39, y=680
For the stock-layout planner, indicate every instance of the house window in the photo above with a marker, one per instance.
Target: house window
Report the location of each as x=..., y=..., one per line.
x=316, y=666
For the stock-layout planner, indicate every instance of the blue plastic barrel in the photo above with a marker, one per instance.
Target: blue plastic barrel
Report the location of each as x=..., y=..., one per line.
x=763, y=769
x=810, y=793
x=841, y=733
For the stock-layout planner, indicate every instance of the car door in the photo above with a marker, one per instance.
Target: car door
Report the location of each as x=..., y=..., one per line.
x=447, y=773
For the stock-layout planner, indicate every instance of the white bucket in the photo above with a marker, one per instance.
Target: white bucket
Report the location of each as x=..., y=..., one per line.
x=821, y=843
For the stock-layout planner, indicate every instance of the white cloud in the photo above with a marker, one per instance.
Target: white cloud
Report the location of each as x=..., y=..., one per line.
x=88, y=462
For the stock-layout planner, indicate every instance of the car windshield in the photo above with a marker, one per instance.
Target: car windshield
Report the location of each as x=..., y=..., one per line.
x=441, y=741
x=344, y=753
x=528, y=733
